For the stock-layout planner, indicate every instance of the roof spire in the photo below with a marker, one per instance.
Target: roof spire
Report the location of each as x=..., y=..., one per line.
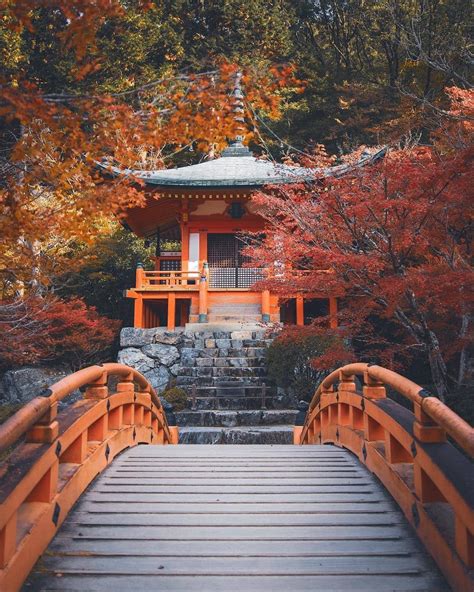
x=236, y=146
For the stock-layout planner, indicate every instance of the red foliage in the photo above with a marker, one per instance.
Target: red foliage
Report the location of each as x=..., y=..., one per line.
x=394, y=237
x=55, y=331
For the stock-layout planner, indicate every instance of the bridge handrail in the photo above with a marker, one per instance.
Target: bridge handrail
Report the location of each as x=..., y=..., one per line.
x=26, y=417
x=430, y=479
x=455, y=426
x=42, y=476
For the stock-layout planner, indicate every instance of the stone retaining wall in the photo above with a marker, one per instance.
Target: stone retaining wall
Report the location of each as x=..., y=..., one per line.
x=156, y=353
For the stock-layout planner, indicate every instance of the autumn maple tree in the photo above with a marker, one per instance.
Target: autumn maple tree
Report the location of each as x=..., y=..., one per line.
x=40, y=330
x=393, y=240
x=52, y=187
x=52, y=193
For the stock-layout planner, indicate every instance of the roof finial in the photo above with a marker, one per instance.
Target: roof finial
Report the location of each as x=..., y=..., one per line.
x=236, y=146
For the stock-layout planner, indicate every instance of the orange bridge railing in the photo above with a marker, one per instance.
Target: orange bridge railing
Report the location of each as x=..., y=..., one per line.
x=408, y=450
x=51, y=458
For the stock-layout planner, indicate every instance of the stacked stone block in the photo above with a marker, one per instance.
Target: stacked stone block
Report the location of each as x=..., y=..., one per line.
x=230, y=397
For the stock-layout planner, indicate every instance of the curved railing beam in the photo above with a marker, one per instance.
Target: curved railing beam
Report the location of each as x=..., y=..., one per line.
x=440, y=413
x=17, y=425
x=408, y=452
x=53, y=458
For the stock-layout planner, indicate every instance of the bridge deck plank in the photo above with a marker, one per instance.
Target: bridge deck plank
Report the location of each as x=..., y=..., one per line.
x=235, y=517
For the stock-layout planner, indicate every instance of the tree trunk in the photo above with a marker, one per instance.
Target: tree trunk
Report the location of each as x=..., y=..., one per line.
x=439, y=372
x=463, y=358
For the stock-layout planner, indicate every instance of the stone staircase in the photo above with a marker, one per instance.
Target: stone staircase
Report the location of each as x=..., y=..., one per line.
x=231, y=399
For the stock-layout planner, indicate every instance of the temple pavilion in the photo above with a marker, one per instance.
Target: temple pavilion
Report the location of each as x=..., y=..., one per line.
x=197, y=216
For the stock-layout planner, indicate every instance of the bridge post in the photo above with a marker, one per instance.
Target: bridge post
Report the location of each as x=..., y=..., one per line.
x=47, y=428
x=126, y=384
x=97, y=389
x=326, y=391
x=424, y=428
x=128, y=410
x=346, y=382
x=373, y=389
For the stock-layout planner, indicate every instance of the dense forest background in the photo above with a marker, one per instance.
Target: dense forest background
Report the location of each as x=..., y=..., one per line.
x=373, y=69
x=364, y=73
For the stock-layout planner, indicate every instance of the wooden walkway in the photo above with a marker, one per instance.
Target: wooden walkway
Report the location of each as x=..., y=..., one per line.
x=236, y=518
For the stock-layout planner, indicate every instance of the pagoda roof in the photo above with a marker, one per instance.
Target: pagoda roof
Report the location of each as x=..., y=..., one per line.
x=236, y=167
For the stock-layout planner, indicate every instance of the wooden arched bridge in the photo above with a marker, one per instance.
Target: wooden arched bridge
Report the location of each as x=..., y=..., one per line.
x=380, y=497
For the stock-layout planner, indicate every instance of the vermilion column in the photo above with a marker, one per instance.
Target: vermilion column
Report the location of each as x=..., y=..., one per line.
x=266, y=306
x=184, y=247
x=203, y=295
x=299, y=310
x=138, y=312
x=333, y=313
x=171, y=310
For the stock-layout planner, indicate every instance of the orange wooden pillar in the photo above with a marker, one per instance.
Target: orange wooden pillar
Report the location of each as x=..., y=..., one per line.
x=299, y=310
x=171, y=311
x=138, y=305
x=138, y=312
x=333, y=313
x=266, y=306
x=184, y=247
x=202, y=249
x=203, y=295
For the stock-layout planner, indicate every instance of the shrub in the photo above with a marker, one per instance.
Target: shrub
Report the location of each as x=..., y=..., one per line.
x=177, y=397
x=107, y=269
x=54, y=331
x=300, y=357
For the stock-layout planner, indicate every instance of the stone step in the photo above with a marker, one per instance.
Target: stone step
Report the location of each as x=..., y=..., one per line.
x=233, y=334
x=237, y=390
x=191, y=354
x=277, y=434
x=234, y=362
x=236, y=326
x=226, y=362
x=236, y=402
x=200, y=371
x=222, y=381
x=232, y=418
x=225, y=343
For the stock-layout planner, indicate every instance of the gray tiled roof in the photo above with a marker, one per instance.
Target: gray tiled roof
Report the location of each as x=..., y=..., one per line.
x=235, y=168
x=229, y=171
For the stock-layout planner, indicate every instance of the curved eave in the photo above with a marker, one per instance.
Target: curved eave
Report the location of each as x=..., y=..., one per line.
x=215, y=174
x=254, y=183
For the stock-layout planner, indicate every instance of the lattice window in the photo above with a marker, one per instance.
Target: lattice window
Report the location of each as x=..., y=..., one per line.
x=222, y=277
x=247, y=276
x=225, y=263
x=221, y=250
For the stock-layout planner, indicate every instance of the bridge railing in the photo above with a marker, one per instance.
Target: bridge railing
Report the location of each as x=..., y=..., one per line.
x=408, y=450
x=51, y=457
